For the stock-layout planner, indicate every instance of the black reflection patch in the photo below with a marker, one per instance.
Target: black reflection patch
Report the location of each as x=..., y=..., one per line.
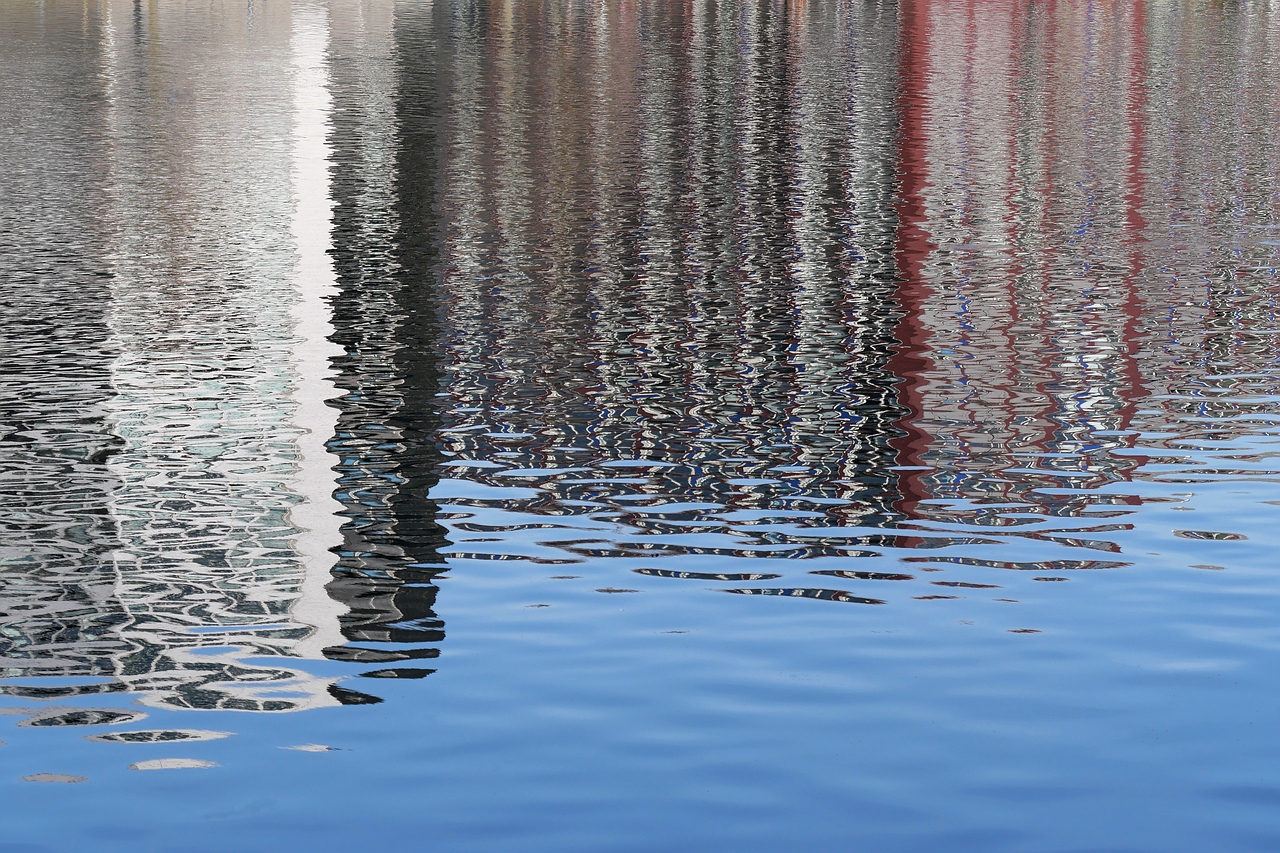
x=808, y=592
x=355, y=654
x=863, y=576
x=1209, y=534
x=704, y=576
x=352, y=697
x=397, y=673
x=1039, y=566
x=85, y=717
x=964, y=585
x=510, y=558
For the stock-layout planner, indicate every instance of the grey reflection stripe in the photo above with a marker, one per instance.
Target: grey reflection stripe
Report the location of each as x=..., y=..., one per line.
x=238, y=629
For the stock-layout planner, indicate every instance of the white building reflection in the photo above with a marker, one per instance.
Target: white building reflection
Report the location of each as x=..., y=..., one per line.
x=212, y=529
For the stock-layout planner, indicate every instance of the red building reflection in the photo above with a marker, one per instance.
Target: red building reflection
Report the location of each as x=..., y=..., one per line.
x=1057, y=231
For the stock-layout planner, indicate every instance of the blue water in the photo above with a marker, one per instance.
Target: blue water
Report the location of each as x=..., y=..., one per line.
x=646, y=426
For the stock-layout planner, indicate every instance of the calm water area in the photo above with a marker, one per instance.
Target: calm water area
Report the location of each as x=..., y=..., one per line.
x=643, y=425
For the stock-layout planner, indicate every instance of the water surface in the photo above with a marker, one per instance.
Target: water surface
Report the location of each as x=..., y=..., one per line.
x=640, y=426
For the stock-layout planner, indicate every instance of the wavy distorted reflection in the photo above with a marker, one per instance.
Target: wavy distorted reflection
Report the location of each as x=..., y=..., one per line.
x=855, y=291
x=821, y=423
x=163, y=542
x=1080, y=264
x=669, y=287
x=742, y=281
x=385, y=177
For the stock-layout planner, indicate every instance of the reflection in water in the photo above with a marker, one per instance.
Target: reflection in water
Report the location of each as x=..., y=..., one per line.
x=385, y=317
x=161, y=505
x=709, y=282
x=1076, y=271
x=308, y=304
x=56, y=438
x=675, y=292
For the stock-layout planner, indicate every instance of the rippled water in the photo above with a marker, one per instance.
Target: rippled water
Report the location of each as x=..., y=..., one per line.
x=641, y=426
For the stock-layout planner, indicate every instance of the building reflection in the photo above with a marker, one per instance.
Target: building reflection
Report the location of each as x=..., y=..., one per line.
x=385, y=318
x=55, y=437
x=158, y=542
x=178, y=565
x=670, y=237
x=640, y=279
x=884, y=262
x=1059, y=241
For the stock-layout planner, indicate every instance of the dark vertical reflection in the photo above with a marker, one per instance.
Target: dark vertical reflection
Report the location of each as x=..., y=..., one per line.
x=668, y=236
x=384, y=142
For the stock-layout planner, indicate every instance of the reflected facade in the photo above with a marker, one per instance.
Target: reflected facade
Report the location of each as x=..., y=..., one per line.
x=338, y=296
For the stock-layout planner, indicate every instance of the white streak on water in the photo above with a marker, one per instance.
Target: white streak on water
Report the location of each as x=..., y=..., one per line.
x=317, y=516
